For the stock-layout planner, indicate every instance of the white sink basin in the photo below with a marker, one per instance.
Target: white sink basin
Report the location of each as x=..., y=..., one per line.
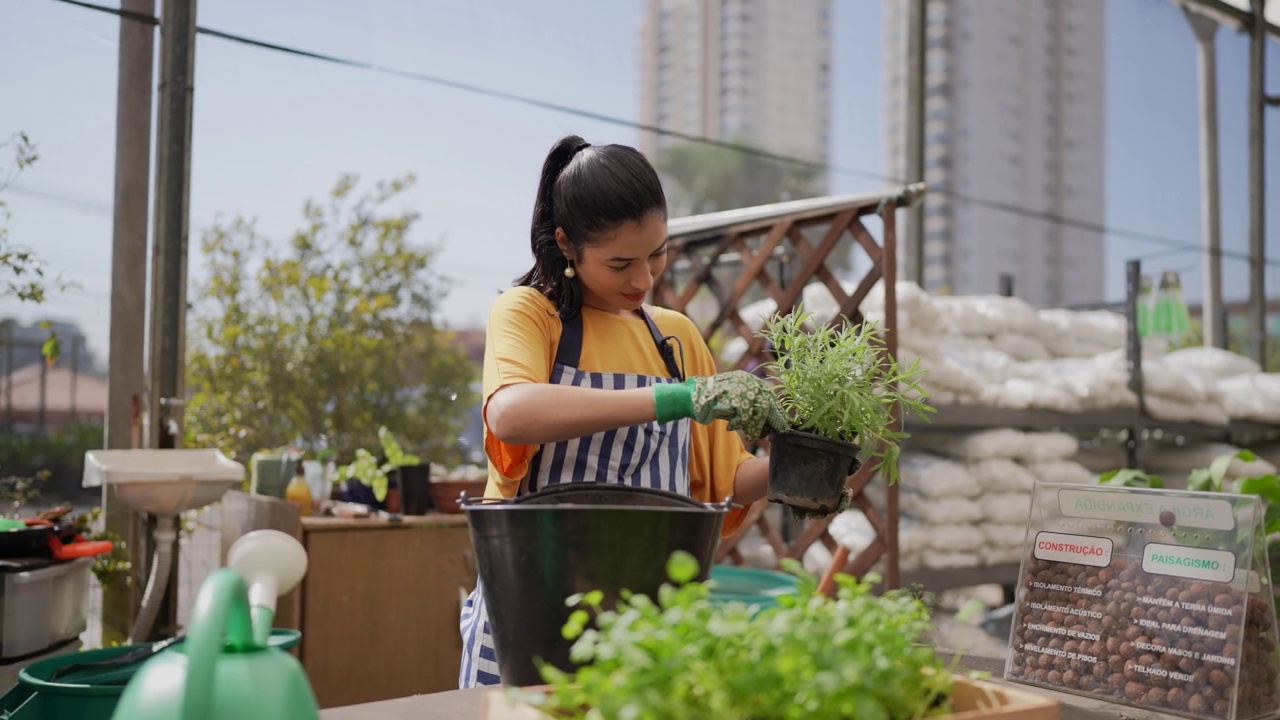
x=163, y=482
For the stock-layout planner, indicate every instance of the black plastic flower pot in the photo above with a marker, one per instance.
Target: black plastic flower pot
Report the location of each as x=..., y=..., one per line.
x=809, y=471
x=415, y=488
x=535, y=551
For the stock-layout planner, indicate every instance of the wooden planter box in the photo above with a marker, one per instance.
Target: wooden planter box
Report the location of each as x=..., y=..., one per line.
x=970, y=699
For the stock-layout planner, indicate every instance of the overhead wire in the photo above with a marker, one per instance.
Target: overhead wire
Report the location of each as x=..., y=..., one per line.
x=999, y=206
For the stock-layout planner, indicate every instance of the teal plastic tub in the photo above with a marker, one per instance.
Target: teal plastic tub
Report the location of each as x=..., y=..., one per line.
x=753, y=586
x=35, y=697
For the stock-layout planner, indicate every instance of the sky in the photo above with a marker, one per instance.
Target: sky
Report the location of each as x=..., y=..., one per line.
x=272, y=130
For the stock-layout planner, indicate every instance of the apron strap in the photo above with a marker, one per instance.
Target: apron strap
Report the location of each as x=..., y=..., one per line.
x=569, y=351
x=664, y=347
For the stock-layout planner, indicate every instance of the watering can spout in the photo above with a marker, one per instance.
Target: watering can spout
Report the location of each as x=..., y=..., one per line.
x=223, y=671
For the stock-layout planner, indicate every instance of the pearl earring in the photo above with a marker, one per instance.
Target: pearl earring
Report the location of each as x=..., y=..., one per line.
x=569, y=272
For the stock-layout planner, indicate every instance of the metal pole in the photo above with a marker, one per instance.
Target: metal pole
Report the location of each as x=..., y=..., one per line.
x=173, y=176
x=168, y=268
x=1134, y=350
x=913, y=258
x=8, y=375
x=75, y=370
x=126, y=377
x=1206, y=31
x=1006, y=285
x=1257, y=184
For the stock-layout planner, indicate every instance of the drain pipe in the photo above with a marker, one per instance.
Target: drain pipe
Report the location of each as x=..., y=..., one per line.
x=161, y=568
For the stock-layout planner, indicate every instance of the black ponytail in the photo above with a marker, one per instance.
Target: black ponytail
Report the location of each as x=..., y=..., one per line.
x=585, y=190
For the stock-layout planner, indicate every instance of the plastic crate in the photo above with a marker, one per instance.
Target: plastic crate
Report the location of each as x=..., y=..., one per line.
x=44, y=606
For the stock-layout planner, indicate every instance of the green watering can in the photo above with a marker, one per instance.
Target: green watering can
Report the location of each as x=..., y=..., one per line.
x=225, y=669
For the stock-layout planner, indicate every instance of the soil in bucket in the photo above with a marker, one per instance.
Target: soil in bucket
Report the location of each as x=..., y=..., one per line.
x=534, y=552
x=808, y=471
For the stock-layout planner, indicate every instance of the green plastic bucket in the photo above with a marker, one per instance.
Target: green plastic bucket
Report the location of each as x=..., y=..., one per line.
x=35, y=697
x=752, y=586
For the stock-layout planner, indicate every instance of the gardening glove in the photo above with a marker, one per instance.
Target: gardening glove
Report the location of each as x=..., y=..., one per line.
x=846, y=497
x=739, y=397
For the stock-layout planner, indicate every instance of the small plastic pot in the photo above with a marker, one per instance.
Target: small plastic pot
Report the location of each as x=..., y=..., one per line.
x=809, y=471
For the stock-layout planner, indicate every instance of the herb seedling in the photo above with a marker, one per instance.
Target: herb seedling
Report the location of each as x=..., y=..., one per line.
x=858, y=655
x=841, y=383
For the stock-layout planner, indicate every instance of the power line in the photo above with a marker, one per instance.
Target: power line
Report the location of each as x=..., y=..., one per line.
x=999, y=206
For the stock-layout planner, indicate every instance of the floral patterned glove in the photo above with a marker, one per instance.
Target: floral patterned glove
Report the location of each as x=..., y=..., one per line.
x=744, y=400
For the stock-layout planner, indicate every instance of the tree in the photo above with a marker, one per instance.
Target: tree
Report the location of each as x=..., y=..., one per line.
x=708, y=178
x=22, y=274
x=327, y=340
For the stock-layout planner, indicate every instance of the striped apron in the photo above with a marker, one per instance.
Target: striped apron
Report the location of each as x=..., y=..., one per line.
x=652, y=455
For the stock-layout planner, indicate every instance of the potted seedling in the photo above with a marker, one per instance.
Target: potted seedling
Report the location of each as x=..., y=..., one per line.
x=839, y=387
x=408, y=473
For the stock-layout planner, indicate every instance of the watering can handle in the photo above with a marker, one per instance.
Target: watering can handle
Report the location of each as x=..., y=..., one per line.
x=222, y=609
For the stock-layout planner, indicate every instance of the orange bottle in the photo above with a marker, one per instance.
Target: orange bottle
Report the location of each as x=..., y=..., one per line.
x=298, y=493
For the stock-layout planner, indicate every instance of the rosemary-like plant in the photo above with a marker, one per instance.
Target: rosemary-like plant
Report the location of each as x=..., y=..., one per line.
x=840, y=383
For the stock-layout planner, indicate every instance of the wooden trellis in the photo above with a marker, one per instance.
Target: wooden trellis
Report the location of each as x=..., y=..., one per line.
x=720, y=263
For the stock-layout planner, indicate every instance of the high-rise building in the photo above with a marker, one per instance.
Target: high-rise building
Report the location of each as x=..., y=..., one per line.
x=1013, y=114
x=751, y=71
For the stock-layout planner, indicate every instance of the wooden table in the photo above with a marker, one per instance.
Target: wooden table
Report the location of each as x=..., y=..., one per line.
x=465, y=704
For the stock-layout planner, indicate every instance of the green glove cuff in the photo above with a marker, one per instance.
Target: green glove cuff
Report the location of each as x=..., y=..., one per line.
x=673, y=401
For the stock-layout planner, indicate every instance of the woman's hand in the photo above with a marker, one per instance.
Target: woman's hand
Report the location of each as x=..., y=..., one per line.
x=742, y=399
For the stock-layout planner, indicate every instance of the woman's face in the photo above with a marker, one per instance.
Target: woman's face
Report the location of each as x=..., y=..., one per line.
x=617, y=271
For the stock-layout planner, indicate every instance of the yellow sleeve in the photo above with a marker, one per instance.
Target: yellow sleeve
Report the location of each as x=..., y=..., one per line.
x=715, y=452
x=520, y=338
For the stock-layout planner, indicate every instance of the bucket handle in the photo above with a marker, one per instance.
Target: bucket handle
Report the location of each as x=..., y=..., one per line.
x=222, y=609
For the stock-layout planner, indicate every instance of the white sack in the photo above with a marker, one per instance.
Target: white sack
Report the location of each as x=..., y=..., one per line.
x=1062, y=471
x=1048, y=446
x=1003, y=475
x=1211, y=362
x=1004, y=535
x=954, y=537
x=936, y=477
x=935, y=512
x=996, y=443
x=1006, y=507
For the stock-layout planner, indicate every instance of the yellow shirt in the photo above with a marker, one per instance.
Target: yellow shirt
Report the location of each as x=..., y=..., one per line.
x=520, y=347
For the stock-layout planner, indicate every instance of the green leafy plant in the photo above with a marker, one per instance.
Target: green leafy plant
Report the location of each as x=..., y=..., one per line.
x=857, y=655
x=113, y=567
x=366, y=468
x=838, y=381
x=395, y=455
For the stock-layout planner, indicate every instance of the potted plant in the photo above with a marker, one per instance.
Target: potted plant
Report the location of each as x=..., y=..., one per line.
x=407, y=473
x=366, y=479
x=839, y=387
x=683, y=655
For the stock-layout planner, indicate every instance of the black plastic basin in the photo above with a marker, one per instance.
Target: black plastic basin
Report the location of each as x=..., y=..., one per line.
x=535, y=551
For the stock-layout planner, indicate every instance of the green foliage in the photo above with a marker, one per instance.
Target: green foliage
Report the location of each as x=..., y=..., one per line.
x=22, y=275
x=59, y=456
x=858, y=655
x=327, y=340
x=391, y=450
x=366, y=468
x=114, y=566
x=1128, y=477
x=839, y=382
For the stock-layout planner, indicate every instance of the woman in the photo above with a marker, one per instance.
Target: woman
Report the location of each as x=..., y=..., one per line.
x=584, y=383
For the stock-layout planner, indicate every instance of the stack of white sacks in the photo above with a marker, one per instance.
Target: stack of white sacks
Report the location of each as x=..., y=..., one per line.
x=1001, y=352
x=964, y=500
